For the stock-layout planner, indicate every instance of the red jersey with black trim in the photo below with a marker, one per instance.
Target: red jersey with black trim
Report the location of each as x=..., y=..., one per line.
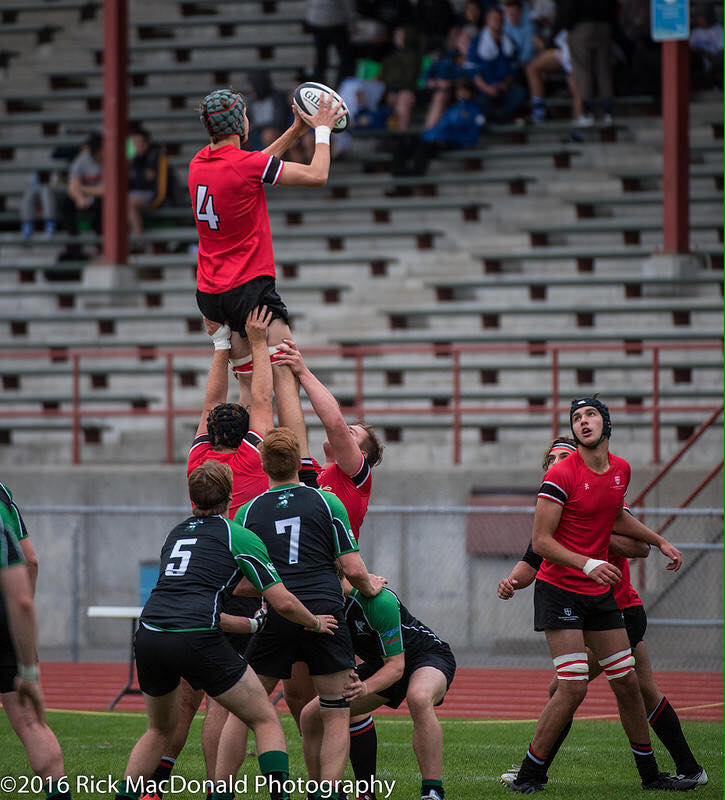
x=591, y=503
x=250, y=480
x=354, y=492
x=230, y=209
x=625, y=595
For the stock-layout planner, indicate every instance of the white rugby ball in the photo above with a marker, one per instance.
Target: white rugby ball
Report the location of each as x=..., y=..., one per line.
x=307, y=98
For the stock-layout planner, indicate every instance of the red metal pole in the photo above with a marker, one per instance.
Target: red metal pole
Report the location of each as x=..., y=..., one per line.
x=456, y=406
x=676, y=131
x=76, y=408
x=169, y=408
x=656, y=455
x=555, y=399
x=115, y=119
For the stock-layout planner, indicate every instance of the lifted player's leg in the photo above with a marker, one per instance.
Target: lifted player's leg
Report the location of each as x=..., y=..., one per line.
x=299, y=689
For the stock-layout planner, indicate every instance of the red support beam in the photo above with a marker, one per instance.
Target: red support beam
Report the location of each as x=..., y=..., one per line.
x=676, y=129
x=115, y=125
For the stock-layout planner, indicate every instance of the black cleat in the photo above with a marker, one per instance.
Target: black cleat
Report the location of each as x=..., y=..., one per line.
x=527, y=786
x=670, y=783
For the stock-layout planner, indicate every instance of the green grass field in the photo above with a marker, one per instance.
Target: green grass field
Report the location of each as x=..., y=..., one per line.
x=594, y=763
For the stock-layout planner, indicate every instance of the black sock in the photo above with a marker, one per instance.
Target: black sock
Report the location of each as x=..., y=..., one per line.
x=644, y=758
x=163, y=771
x=557, y=744
x=364, y=749
x=427, y=787
x=533, y=768
x=666, y=724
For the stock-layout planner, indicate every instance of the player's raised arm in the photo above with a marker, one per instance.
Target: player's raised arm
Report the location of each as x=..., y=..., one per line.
x=628, y=525
x=347, y=452
x=295, y=132
x=317, y=171
x=217, y=383
x=261, y=417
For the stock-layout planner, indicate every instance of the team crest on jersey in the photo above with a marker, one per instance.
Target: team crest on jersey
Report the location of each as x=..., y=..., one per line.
x=618, y=483
x=283, y=499
x=360, y=625
x=193, y=524
x=567, y=611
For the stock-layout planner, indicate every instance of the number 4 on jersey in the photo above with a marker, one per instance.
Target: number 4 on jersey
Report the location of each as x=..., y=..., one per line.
x=205, y=207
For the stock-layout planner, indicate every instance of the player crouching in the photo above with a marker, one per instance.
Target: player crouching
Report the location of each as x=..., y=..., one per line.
x=403, y=659
x=179, y=635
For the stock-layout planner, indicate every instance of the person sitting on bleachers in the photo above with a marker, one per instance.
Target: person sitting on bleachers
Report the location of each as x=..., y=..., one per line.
x=460, y=127
x=400, y=73
x=519, y=27
x=148, y=173
x=443, y=73
x=494, y=56
x=270, y=115
x=84, y=194
x=38, y=194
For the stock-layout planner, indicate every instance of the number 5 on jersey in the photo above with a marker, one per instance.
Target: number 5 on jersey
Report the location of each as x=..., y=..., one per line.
x=205, y=208
x=184, y=556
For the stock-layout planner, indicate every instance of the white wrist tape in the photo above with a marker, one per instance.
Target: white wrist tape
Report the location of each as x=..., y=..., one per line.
x=591, y=565
x=255, y=625
x=322, y=134
x=222, y=338
x=29, y=673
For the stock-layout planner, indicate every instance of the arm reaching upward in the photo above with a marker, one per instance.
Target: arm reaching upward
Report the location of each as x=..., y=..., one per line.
x=217, y=383
x=347, y=453
x=261, y=418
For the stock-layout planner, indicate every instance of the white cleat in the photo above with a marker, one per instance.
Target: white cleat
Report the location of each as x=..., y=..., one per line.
x=507, y=778
x=700, y=776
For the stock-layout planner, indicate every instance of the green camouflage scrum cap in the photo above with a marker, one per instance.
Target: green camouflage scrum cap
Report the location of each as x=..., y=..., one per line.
x=222, y=113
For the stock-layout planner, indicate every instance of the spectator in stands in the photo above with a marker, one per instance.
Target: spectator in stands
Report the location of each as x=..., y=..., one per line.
x=493, y=56
x=433, y=19
x=442, y=74
x=84, y=194
x=38, y=194
x=400, y=73
x=473, y=17
x=459, y=127
x=329, y=23
x=519, y=27
x=270, y=114
x=148, y=173
x=589, y=23
x=706, y=43
x=552, y=59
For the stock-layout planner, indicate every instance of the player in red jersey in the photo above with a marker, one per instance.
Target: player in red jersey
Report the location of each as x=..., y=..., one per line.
x=236, y=270
x=662, y=717
x=580, y=503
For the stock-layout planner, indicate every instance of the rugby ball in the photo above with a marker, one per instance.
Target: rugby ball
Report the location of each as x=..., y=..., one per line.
x=307, y=98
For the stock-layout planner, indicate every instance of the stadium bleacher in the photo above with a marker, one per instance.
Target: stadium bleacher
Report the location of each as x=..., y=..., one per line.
x=528, y=237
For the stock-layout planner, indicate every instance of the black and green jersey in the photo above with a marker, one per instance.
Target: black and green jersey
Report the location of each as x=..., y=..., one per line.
x=305, y=530
x=11, y=553
x=10, y=514
x=382, y=627
x=202, y=558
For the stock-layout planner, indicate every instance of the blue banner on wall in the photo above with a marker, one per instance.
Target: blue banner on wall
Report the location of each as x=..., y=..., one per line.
x=670, y=20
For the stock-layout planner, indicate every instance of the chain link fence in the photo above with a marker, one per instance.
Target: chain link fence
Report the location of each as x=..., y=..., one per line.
x=445, y=562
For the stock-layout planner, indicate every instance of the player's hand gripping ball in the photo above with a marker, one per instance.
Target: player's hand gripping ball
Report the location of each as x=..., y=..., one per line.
x=307, y=98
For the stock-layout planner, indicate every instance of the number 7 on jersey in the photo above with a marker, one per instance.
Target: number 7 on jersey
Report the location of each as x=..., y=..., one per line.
x=293, y=526
x=205, y=207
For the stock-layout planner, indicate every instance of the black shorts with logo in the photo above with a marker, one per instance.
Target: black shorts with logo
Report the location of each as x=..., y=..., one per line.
x=233, y=307
x=205, y=659
x=441, y=658
x=275, y=649
x=557, y=609
x=8, y=660
x=635, y=621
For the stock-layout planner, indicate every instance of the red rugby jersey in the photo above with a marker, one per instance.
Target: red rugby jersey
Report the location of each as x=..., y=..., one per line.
x=230, y=209
x=250, y=480
x=625, y=595
x=591, y=503
x=354, y=492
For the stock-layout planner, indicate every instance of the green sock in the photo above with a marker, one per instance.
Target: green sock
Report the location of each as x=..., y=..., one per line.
x=274, y=765
x=128, y=793
x=436, y=786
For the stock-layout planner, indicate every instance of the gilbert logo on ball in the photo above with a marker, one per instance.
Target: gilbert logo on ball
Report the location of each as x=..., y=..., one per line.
x=307, y=98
